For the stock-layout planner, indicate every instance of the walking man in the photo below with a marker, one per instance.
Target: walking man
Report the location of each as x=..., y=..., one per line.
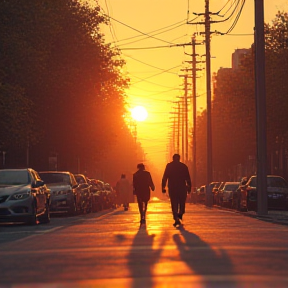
x=142, y=183
x=122, y=189
x=179, y=184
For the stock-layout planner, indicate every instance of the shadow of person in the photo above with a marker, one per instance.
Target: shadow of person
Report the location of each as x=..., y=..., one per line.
x=203, y=260
x=142, y=258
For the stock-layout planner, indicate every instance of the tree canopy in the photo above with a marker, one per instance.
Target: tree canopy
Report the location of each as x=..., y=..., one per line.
x=61, y=86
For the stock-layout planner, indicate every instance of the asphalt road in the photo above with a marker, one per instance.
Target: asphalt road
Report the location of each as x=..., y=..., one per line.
x=213, y=248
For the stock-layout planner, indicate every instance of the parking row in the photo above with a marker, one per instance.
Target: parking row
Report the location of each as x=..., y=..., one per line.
x=31, y=197
x=243, y=195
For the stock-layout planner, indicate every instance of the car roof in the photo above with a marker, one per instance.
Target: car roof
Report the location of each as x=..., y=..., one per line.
x=55, y=172
x=20, y=169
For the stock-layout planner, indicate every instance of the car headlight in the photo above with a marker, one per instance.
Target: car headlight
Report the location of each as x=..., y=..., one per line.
x=21, y=196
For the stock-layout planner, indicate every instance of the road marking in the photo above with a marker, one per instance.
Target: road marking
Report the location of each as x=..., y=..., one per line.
x=35, y=233
x=31, y=231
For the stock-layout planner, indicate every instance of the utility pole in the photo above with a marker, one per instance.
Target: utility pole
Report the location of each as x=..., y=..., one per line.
x=262, y=208
x=209, y=126
x=194, y=172
x=182, y=133
x=186, y=118
x=194, y=108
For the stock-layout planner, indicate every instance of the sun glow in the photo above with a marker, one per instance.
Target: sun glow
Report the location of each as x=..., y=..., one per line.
x=139, y=113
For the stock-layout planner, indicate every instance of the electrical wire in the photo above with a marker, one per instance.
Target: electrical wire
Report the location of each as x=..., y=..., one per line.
x=148, y=64
x=144, y=79
x=182, y=22
x=230, y=16
x=157, y=47
x=236, y=19
x=148, y=36
x=228, y=8
x=149, y=82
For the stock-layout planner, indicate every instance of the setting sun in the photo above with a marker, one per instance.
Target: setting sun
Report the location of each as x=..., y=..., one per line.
x=139, y=113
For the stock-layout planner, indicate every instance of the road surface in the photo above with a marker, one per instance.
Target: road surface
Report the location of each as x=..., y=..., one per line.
x=213, y=248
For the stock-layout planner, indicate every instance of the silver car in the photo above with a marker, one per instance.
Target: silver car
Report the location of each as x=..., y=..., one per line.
x=23, y=197
x=65, y=192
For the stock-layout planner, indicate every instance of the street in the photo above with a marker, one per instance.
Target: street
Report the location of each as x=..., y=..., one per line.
x=213, y=248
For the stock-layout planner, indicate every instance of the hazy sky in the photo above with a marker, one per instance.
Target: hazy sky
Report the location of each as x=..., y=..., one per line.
x=154, y=67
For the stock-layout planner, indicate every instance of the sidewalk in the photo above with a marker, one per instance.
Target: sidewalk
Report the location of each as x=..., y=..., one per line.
x=274, y=216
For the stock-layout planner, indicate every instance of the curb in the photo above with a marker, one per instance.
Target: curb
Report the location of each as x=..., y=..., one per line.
x=273, y=218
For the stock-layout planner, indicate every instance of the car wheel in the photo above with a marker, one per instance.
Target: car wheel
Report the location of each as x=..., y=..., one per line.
x=45, y=218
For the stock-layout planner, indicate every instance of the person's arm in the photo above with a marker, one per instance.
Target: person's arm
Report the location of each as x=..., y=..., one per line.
x=188, y=181
x=151, y=184
x=133, y=185
x=164, y=179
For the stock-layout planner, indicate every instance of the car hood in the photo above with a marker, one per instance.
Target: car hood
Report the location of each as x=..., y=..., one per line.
x=11, y=189
x=58, y=186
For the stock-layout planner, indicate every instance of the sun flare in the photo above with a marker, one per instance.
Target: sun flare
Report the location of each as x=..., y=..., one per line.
x=139, y=113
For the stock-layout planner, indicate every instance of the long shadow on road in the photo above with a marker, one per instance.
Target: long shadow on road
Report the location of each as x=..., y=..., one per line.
x=142, y=258
x=203, y=260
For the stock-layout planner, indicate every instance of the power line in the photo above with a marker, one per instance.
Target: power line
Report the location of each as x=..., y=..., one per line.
x=157, y=47
x=149, y=36
x=148, y=64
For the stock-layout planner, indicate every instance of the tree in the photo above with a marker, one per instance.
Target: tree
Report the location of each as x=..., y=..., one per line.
x=55, y=54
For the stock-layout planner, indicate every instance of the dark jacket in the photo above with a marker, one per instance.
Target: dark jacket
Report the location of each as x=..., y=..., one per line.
x=142, y=183
x=178, y=177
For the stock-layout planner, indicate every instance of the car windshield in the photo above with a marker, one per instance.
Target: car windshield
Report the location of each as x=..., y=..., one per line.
x=276, y=182
x=53, y=178
x=271, y=182
x=14, y=177
x=80, y=179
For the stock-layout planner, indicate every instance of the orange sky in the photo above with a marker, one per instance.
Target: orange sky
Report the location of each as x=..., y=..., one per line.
x=154, y=72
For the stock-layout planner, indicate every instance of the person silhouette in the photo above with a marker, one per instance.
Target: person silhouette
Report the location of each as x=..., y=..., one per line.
x=122, y=190
x=142, y=184
x=179, y=183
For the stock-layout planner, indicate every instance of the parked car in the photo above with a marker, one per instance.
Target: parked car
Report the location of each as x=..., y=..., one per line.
x=111, y=195
x=201, y=194
x=214, y=187
x=23, y=197
x=103, y=195
x=217, y=192
x=96, y=191
x=277, y=193
x=236, y=197
x=87, y=195
x=65, y=192
x=226, y=194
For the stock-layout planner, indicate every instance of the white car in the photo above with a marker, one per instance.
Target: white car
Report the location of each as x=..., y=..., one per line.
x=23, y=197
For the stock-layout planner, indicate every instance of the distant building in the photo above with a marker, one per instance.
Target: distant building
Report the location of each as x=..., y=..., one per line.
x=238, y=56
